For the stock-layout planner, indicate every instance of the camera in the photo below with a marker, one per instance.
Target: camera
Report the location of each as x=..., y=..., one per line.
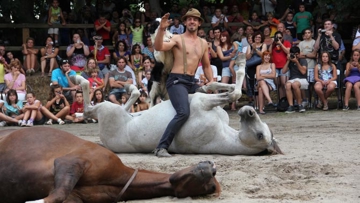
x=323, y=30
x=292, y=56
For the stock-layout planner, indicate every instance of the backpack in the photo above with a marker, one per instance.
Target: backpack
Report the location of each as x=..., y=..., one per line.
x=283, y=104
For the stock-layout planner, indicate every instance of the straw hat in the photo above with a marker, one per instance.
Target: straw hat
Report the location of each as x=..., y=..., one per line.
x=193, y=12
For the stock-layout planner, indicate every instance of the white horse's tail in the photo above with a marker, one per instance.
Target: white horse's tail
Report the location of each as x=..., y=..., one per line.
x=84, y=83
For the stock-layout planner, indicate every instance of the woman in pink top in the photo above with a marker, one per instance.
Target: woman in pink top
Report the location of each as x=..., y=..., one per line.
x=16, y=80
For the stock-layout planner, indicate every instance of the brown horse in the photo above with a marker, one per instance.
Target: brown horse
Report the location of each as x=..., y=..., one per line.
x=55, y=166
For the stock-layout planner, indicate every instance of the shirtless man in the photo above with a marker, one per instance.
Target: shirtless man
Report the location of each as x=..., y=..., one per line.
x=181, y=79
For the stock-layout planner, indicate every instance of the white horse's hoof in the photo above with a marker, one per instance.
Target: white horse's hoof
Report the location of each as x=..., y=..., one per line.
x=36, y=201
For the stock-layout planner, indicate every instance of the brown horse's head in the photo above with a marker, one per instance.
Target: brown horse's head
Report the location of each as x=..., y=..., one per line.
x=196, y=180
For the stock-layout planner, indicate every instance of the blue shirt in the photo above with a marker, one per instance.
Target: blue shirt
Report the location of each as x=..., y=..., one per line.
x=59, y=77
x=11, y=110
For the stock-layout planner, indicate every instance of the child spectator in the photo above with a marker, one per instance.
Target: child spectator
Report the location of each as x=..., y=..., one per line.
x=142, y=104
x=98, y=98
x=177, y=28
x=103, y=28
x=13, y=107
x=102, y=56
x=136, y=59
x=95, y=81
x=272, y=23
x=33, y=112
x=55, y=14
x=145, y=81
x=30, y=54
x=137, y=31
x=77, y=109
x=147, y=66
x=124, y=99
x=57, y=103
x=122, y=34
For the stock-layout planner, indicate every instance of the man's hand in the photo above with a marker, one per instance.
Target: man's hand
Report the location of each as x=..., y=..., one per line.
x=165, y=21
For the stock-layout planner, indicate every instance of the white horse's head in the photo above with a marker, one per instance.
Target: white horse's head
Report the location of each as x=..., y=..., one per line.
x=254, y=132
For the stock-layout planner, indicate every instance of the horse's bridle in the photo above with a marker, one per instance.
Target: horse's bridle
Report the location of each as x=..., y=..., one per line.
x=127, y=185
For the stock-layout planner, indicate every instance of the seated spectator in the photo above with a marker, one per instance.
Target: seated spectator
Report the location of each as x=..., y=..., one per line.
x=77, y=109
x=201, y=33
x=210, y=35
x=12, y=108
x=206, y=13
x=122, y=34
x=220, y=20
x=352, y=80
x=177, y=27
x=302, y=20
x=265, y=75
x=77, y=53
x=148, y=51
x=90, y=65
x=142, y=104
x=115, y=19
x=11, y=58
x=147, y=14
x=325, y=75
x=16, y=80
x=147, y=66
x=136, y=59
x=95, y=81
x=118, y=78
x=127, y=17
x=225, y=52
x=57, y=103
x=108, y=6
x=30, y=54
x=34, y=112
x=48, y=56
x=124, y=99
x=297, y=81
x=102, y=56
x=267, y=39
x=97, y=97
x=254, y=21
x=61, y=76
x=103, y=28
x=174, y=12
x=121, y=49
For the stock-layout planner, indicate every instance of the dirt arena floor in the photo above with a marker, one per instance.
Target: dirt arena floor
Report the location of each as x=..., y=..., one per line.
x=321, y=161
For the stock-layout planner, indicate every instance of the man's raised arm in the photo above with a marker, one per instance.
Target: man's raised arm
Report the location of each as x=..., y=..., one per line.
x=159, y=44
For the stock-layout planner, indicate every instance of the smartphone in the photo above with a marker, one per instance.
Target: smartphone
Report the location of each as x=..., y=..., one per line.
x=78, y=41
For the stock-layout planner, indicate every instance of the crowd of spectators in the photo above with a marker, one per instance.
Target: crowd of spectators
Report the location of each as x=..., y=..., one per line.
x=294, y=43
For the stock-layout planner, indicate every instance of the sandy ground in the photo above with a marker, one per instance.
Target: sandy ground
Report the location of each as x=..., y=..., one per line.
x=321, y=161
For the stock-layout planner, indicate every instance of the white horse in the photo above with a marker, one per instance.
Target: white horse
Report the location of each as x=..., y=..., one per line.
x=207, y=130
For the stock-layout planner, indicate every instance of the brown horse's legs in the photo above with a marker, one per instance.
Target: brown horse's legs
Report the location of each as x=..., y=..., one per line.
x=68, y=171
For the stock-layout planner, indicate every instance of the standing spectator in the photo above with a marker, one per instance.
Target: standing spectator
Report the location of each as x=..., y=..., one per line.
x=290, y=25
x=30, y=54
x=352, y=80
x=303, y=19
x=235, y=17
x=220, y=20
x=177, y=28
x=102, y=56
x=54, y=16
x=103, y=28
x=328, y=41
x=77, y=53
x=279, y=50
x=137, y=30
x=48, y=56
x=325, y=75
x=297, y=80
x=16, y=80
x=118, y=79
x=268, y=6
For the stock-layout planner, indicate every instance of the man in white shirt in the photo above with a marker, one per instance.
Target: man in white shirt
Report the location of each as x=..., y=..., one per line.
x=220, y=20
x=177, y=28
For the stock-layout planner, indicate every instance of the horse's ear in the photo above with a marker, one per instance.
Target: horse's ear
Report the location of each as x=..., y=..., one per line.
x=274, y=147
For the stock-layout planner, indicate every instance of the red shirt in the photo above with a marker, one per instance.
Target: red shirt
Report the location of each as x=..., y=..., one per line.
x=77, y=108
x=93, y=83
x=105, y=34
x=279, y=57
x=101, y=52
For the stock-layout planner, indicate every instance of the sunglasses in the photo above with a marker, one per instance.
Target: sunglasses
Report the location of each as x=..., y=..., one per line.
x=65, y=61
